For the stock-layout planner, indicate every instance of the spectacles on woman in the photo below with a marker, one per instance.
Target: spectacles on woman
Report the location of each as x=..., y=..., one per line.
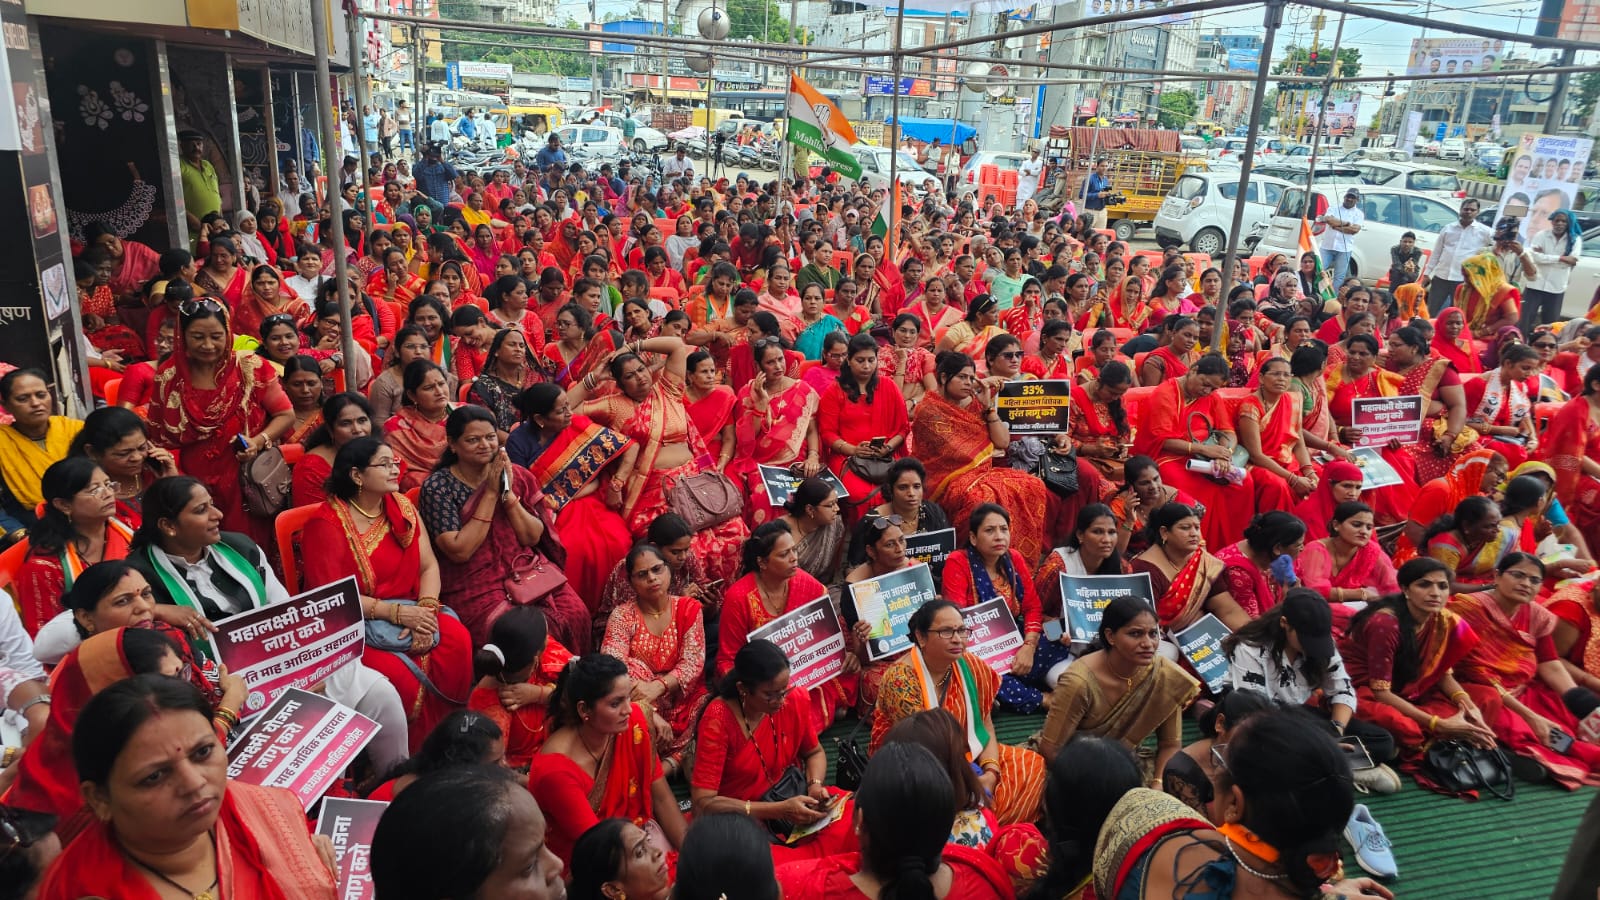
x=962, y=632
x=195, y=306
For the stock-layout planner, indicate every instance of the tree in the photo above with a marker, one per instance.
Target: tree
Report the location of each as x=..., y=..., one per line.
x=761, y=20
x=558, y=56
x=1297, y=61
x=1177, y=108
x=1586, y=92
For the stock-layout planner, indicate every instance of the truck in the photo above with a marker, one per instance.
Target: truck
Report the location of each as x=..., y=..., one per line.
x=1144, y=165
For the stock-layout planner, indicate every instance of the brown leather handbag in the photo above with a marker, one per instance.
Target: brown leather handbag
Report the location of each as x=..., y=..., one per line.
x=704, y=499
x=532, y=577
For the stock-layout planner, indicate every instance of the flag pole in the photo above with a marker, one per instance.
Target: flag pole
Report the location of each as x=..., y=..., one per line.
x=895, y=59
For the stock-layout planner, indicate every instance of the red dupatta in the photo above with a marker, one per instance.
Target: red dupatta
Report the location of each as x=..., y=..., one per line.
x=1462, y=352
x=418, y=442
x=1567, y=443
x=181, y=415
x=1506, y=654
x=630, y=770
x=1179, y=602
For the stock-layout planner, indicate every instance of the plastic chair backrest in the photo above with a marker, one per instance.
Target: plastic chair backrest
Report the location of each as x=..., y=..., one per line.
x=112, y=391
x=11, y=563
x=289, y=524
x=1255, y=263
x=1134, y=399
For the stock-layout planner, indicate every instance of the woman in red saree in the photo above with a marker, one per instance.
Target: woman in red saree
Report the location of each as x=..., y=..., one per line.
x=1515, y=674
x=395, y=284
x=515, y=688
x=905, y=809
x=222, y=276
x=1187, y=581
x=1500, y=406
x=775, y=425
x=1452, y=341
x=206, y=397
x=1246, y=565
x=1401, y=653
x=267, y=296
x=569, y=456
x=1360, y=378
x=416, y=430
x=1348, y=567
x=662, y=639
x=1475, y=474
x=486, y=534
x=1176, y=354
x=1269, y=428
x=580, y=786
x=367, y=529
x=256, y=837
x=955, y=433
x=1488, y=300
x=1097, y=422
x=1171, y=433
x=1572, y=447
x=578, y=350
x=712, y=406
x=861, y=414
x=1445, y=434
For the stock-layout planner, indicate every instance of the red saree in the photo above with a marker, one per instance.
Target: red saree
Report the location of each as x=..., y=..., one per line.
x=263, y=851
x=1509, y=653
x=1461, y=352
x=953, y=444
x=575, y=801
x=1165, y=417
x=775, y=436
x=569, y=470
x=974, y=876
x=199, y=425
x=1571, y=437
x=1090, y=422
x=743, y=612
x=1390, y=503
x=679, y=651
x=418, y=442
x=856, y=422
x=46, y=577
x=1369, y=655
x=711, y=414
x=523, y=727
x=385, y=561
x=1279, y=428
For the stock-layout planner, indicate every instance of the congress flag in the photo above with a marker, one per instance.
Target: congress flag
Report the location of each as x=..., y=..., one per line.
x=818, y=125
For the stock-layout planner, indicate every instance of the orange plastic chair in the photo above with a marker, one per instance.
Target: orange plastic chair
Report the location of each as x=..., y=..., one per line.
x=10, y=564
x=112, y=390
x=1255, y=263
x=289, y=524
x=1134, y=399
x=413, y=494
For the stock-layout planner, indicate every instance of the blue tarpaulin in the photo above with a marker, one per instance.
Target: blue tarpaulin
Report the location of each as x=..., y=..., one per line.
x=925, y=130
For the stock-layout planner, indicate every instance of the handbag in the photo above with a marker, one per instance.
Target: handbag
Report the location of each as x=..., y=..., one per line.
x=265, y=482
x=383, y=635
x=1241, y=457
x=852, y=761
x=704, y=499
x=532, y=577
x=1059, y=471
x=872, y=471
x=1461, y=768
x=792, y=783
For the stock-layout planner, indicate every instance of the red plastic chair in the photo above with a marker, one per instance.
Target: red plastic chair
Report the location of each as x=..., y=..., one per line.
x=112, y=390
x=289, y=525
x=10, y=564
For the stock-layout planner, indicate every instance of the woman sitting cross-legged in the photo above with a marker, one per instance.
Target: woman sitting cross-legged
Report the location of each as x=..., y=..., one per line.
x=1123, y=689
x=516, y=675
x=937, y=671
x=491, y=524
x=904, y=812
x=369, y=530
x=752, y=733
x=1188, y=581
x=599, y=762
x=1515, y=675
x=1348, y=567
x=662, y=638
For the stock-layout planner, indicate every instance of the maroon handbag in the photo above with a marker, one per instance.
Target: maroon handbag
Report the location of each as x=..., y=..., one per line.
x=704, y=499
x=532, y=578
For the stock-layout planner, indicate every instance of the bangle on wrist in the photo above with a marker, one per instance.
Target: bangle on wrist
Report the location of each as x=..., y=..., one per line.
x=23, y=709
x=1433, y=722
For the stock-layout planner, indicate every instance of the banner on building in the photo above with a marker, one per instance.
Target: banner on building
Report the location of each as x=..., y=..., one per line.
x=1452, y=56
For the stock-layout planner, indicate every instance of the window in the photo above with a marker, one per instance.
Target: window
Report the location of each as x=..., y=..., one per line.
x=1293, y=203
x=1380, y=209
x=1429, y=215
x=594, y=136
x=1228, y=189
x=1433, y=181
x=1272, y=193
x=1188, y=188
x=1376, y=175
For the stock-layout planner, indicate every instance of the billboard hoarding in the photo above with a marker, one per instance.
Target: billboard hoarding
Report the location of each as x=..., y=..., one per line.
x=1451, y=56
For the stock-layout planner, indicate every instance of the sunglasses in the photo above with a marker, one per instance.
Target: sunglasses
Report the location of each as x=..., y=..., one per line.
x=201, y=304
x=1012, y=354
x=882, y=523
x=1544, y=345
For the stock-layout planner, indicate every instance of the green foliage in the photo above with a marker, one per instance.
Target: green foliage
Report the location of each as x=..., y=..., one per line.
x=550, y=56
x=762, y=20
x=1297, y=61
x=1585, y=92
x=1177, y=108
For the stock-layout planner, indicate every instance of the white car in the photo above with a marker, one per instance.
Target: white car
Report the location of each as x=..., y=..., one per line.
x=591, y=140
x=645, y=138
x=1453, y=148
x=1431, y=180
x=1390, y=212
x=875, y=169
x=1585, y=279
x=1198, y=211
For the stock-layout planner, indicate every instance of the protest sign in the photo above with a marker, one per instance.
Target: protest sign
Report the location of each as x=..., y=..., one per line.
x=350, y=824
x=302, y=742
x=295, y=644
x=1084, y=598
x=1201, y=644
x=931, y=547
x=781, y=483
x=1034, y=407
x=886, y=604
x=995, y=637
x=1375, y=470
x=1543, y=174
x=812, y=638
x=1383, y=419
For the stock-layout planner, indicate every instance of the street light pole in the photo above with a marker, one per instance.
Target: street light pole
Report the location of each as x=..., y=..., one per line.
x=1272, y=22
x=330, y=144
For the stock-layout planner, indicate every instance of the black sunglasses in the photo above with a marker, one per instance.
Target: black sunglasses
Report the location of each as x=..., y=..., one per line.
x=882, y=523
x=194, y=307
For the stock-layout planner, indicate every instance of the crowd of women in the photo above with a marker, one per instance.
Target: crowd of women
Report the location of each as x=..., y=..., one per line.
x=577, y=463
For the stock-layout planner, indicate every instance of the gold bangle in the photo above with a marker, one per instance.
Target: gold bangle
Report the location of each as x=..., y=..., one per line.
x=747, y=807
x=1460, y=693
x=1433, y=723
x=394, y=614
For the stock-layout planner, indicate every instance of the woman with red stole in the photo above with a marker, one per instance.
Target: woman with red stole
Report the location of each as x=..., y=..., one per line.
x=713, y=406
x=1475, y=474
x=267, y=296
x=1516, y=676
x=1170, y=435
x=1269, y=428
x=578, y=785
x=1401, y=653
x=649, y=409
x=1097, y=422
x=206, y=397
x=1485, y=296
x=395, y=284
x=775, y=425
x=662, y=639
x=1444, y=423
x=1500, y=405
x=1452, y=341
x=78, y=524
x=568, y=455
x=858, y=408
x=1360, y=378
x=416, y=430
x=955, y=433
x=1572, y=447
x=576, y=349
x=368, y=529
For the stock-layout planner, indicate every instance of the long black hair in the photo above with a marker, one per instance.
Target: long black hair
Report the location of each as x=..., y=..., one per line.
x=64, y=480
x=1111, y=565
x=1086, y=779
x=906, y=805
x=1406, y=656
x=1266, y=633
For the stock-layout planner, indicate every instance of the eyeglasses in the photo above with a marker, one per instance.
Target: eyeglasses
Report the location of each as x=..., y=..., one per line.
x=882, y=523
x=947, y=633
x=1217, y=758
x=103, y=489
x=194, y=307
x=1525, y=577
x=384, y=464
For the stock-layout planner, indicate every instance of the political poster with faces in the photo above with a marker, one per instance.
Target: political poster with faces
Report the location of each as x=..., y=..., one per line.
x=1542, y=177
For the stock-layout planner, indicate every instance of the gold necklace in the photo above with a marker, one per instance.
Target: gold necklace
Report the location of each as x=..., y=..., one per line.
x=370, y=515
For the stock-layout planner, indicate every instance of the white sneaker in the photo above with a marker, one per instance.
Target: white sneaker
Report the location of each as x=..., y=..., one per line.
x=1379, y=779
x=1373, y=850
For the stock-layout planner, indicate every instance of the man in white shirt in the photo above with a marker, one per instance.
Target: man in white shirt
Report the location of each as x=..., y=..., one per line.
x=1338, y=240
x=679, y=166
x=1457, y=243
x=1028, y=178
x=1554, y=251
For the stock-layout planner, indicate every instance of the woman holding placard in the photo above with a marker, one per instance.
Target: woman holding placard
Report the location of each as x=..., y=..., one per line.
x=1091, y=549
x=775, y=424
x=1187, y=581
x=938, y=672
x=877, y=549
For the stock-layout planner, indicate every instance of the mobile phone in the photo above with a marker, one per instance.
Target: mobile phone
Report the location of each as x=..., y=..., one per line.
x=1053, y=630
x=1560, y=741
x=714, y=584
x=878, y=442
x=505, y=481
x=1356, y=752
x=241, y=442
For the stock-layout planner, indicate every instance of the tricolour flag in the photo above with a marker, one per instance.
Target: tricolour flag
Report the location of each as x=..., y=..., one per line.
x=817, y=124
x=887, y=210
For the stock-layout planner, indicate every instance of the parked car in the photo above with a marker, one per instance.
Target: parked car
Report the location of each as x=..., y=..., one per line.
x=592, y=140
x=1386, y=154
x=1226, y=148
x=1453, y=148
x=971, y=172
x=1295, y=170
x=1389, y=212
x=1428, y=148
x=1585, y=280
x=645, y=138
x=875, y=169
x=1198, y=211
x=1427, y=179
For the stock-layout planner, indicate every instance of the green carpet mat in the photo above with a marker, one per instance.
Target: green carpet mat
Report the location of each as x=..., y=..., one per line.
x=1447, y=849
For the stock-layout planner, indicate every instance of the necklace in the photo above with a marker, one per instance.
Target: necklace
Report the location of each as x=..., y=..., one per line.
x=605, y=747
x=767, y=597
x=370, y=515
x=1246, y=866
x=194, y=895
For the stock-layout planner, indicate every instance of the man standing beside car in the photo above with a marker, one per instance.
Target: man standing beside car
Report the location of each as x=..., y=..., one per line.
x=1458, y=242
x=1342, y=223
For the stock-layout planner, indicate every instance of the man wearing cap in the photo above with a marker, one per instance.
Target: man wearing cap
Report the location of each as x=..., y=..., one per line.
x=1342, y=222
x=202, y=192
